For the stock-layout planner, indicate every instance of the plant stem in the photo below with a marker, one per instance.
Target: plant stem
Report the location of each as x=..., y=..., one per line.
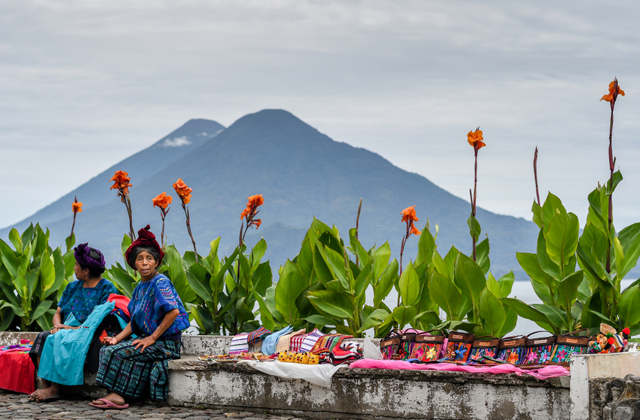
x=73, y=225
x=611, y=167
x=186, y=212
x=357, y=223
x=404, y=241
x=127, y=203
x=475, y=191
x=162, y=215
x=535, y=173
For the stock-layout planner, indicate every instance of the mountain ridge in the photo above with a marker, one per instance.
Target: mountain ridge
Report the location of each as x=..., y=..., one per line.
x=302, y=173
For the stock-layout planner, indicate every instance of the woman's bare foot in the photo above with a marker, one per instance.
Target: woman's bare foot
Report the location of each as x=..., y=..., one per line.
x=46, y=394
x=113, y=397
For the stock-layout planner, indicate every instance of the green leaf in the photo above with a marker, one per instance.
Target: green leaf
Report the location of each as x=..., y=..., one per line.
x=124, y=245
x=469, y=278
x=386, y=283
x=528, y=312
x=9, y=259
x=543, y=284
x=445, y=294
x=493, y=286
x=47, y=272
x=403, y=315
x=426, y=246
x=562, y=238
x=320, y=320
x=630, y=239
x=474, y=227
x=374, y=319
x=258, y=252
x=291, y=284
x=362, y=281
x=15, y=239
x=41, y=309
x=552, y=205
x=617, y=178
x=121, y=279
x=537, y=214
x=262, y=277
x=204, y=319
x=482, y=256
x=381, y=260
x=333, y=303
x=409, y=286
x=336, y=264
x=557, y=317
x=568, y=289
x=628, y=308
x=491, y=311
x=357, y=248
x=198, y=278
x=506, y=284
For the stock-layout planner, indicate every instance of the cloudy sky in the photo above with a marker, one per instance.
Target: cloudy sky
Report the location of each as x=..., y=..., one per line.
x=84, y=84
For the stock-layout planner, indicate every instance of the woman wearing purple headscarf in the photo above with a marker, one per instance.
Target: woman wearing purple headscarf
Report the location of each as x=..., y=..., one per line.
x=78, y=300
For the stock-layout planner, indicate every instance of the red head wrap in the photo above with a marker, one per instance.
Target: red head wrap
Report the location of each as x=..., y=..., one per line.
x=147, y=239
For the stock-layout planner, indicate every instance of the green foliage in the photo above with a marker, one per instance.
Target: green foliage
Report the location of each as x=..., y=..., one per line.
x=32, y=278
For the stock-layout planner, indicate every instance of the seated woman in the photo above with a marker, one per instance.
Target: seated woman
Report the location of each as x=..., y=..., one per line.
x=77, y=302
x=133, y=368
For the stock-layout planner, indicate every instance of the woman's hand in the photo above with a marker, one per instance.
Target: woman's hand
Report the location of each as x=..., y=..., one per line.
x=110, y=341
x=55, y=329
x=144, y=343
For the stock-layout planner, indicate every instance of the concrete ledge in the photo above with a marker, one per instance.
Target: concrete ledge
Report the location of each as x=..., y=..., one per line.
x=370, y=393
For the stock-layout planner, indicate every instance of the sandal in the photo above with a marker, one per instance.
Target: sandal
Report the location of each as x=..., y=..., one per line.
x=109, y=405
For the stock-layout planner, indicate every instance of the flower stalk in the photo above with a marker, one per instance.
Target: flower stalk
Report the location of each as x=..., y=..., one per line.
x=475, y=139
x=408, y=217
x=535, y=173
x=357, y=227
x=162, y=201
x=121, y=183
x=184, y=192
x=76, y=207
x=611, y=97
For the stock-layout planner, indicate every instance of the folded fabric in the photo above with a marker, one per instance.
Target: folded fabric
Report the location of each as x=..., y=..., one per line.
x=239, y=344
x=296, y=342
x=346, y=352
x=310, y=340
x=316, y=374
x=270, y=343
x=258, y=335
x=542, y=373
x=284, y=341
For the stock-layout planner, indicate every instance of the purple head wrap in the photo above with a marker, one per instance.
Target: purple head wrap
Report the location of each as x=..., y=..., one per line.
x=90, y=258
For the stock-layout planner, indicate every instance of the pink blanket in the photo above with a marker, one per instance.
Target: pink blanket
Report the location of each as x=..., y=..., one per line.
x=542, y=373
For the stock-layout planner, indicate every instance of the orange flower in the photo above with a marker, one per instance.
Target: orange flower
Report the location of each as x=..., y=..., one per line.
x=251, y=210
x=475, y=139
x=121, y=182
x=614, y=90
x=252, y=206
x=409, y=214
x=76, y=206
x=162, y=200
x=183, y=191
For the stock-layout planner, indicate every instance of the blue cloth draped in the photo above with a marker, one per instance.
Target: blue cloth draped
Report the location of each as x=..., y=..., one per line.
x=150, y=302
x=79, y=301
x=62, y=359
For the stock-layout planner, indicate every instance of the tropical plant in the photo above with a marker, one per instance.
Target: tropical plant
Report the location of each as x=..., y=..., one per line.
x=32, y=279
x=552, y=270
x=184, y=192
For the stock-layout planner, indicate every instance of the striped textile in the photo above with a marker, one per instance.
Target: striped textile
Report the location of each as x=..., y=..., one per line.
x=284, y=343
x=239, y=344
x=296, y=342
x=257, y=335
x=310, y=340
x=133, y=374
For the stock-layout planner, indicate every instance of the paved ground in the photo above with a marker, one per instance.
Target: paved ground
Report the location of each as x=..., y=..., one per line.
x=17, y=406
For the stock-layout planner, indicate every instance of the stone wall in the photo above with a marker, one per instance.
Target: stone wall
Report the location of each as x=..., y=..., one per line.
x=371, y=393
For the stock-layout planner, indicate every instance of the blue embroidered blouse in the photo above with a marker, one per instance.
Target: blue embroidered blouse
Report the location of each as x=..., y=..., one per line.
x=80, y=301
x=150, y=301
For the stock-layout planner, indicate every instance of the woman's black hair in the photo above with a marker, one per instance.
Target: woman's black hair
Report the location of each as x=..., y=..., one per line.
x=137, y=250
x=94, y=271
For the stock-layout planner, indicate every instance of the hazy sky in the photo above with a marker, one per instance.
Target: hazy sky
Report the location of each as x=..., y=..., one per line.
x=84, y=84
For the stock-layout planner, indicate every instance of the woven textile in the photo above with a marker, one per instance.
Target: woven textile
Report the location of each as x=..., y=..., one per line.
x=284, y=343
x=258, y=335
x=239, y=344
x=310, y=340
x=133, y=374
x=296, y=342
